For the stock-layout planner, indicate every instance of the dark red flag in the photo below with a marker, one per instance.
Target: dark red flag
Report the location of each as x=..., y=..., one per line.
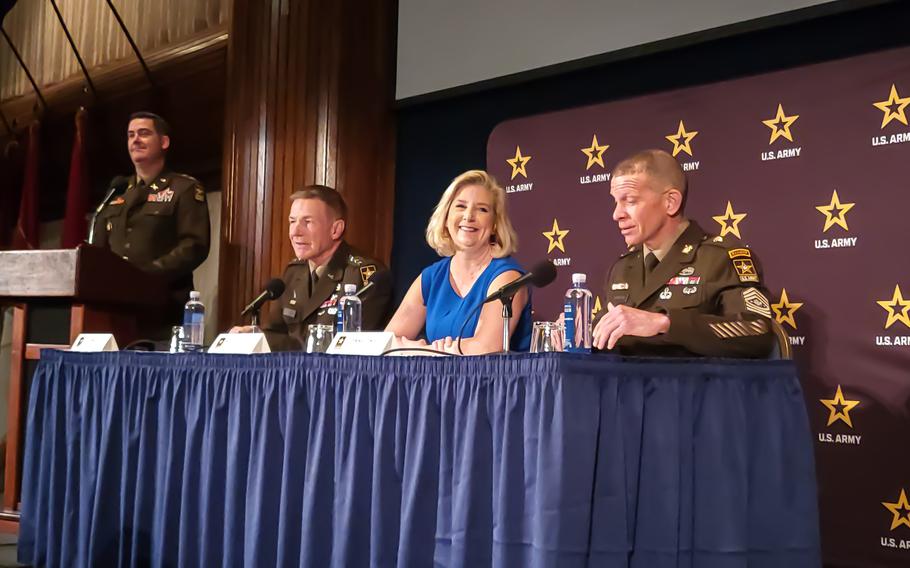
x=27, y=231
x=77, y=191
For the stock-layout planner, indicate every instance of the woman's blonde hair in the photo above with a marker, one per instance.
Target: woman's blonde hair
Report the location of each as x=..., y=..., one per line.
x=504, y=241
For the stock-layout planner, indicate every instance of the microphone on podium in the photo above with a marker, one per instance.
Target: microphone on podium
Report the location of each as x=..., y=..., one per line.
x=273, y=289
x=540, y=275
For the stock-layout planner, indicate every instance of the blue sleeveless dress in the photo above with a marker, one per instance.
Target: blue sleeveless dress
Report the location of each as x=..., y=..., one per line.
x=446, y=310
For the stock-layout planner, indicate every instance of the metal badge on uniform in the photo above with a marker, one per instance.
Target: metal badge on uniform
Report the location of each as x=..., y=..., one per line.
x=718, y=239
x=199, y=194
x=666, y=294
x=687, y=249
x=687, y=271
x=109, y=226
x=690, y=290
x=332, y=311
x=757, y=302
x=288, y=312
x=620, y=286
x=355, y=260
x=366, y=272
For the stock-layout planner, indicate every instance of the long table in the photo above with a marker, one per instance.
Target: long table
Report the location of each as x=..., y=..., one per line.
x=315, y=460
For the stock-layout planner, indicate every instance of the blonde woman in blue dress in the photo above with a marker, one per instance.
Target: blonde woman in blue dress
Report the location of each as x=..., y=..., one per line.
x=471, y=230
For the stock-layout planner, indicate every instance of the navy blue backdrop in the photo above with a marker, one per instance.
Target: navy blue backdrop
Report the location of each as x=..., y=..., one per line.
x=438, y=140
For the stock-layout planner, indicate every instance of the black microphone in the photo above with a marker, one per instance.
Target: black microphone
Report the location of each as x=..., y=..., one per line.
x=272, y=290
x=116, y=184
x=542, y=274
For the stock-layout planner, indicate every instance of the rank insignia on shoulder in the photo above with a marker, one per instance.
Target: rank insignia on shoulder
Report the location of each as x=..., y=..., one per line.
x=620, y=286
x=687, y=271
x=687, y=249
x=739, y=253
x=366, y=272
x=199, y=194
x=745, y=270
x=757, y=302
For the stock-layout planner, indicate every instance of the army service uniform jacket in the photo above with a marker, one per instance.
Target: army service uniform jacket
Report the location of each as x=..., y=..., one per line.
x=287, y=318
x=709, y=287
x=162, y=228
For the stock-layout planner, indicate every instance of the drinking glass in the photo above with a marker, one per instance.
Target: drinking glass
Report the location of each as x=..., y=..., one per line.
x=547, y=336
x=319, y=337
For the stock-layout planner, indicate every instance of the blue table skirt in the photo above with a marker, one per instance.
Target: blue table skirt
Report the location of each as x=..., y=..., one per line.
x=524, y=460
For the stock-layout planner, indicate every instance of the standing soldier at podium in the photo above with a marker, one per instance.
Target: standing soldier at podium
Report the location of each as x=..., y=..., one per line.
x=161, y=222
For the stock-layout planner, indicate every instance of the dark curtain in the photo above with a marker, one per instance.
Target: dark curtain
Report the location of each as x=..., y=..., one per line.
x=297, y=460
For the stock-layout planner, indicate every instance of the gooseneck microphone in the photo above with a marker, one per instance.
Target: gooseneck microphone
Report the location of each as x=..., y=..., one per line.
x=542, y=274
x=273, y=289
x=118, y=183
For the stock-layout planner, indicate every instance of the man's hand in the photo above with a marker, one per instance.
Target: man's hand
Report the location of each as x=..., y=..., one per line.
x=243, y=329
x=623, y=320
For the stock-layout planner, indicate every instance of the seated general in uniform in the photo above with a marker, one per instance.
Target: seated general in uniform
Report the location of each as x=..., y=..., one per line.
x=161, y=222
x=471, y=231
x=324, y=263
x=677, y=291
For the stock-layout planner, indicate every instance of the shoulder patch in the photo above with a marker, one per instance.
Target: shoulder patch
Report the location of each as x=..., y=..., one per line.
x=366, y=272
x=739, y=253
x=745, y=269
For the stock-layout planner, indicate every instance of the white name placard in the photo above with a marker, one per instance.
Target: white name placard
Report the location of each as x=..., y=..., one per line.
x=361, y=343
x=95, y=343
x=240, y=344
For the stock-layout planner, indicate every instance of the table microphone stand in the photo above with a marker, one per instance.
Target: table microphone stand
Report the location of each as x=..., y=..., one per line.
x=506, y=319
x=254, y=321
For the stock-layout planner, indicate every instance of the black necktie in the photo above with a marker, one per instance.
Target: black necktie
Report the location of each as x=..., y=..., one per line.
x=314, y=278
x=650, y=262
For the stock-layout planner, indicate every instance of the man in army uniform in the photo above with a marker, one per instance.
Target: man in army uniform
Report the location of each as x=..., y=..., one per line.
x=677, y=291
x=315, y=280
x=161, y=222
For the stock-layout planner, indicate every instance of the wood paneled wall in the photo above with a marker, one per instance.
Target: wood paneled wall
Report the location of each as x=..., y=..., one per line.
x=310, y=96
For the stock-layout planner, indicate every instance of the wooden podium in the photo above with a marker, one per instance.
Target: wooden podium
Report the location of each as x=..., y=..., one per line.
x=56, y=295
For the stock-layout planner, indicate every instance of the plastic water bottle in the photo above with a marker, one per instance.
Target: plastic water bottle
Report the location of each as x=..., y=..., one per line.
x=349, y=309
x=193, y=323
x=577, y=316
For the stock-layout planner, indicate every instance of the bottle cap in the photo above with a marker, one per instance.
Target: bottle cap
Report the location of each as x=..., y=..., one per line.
x=350, y=289
x=579, y=278
x=194, y=295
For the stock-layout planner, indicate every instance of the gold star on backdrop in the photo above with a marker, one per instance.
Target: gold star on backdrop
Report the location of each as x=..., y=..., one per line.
x=518, y=163
x=595, y=153
x=893, y=107
x=780, y=125
x=681, y=140
x=839, y=408
x=786, y=305
x=900, y=510
x=832, y=218
x=729, y=221
x=555, y=237
x=895, y=315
